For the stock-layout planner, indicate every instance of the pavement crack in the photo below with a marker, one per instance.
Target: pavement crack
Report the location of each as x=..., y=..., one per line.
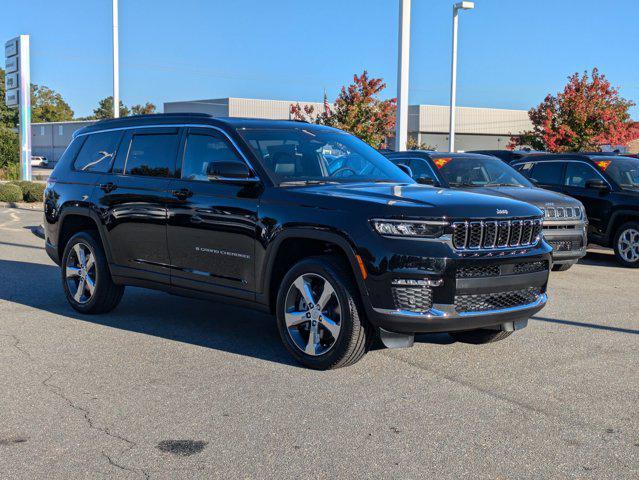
x=17, y=344
x=86, y=414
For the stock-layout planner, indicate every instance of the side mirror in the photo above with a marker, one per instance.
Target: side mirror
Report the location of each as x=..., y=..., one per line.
x=228, y=170
x=597, y=185
x=424, y=180
x=406, y=169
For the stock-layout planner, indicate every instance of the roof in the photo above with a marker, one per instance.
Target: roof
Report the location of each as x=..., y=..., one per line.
x=429, y=154
x=160, y=119
x=549, y=157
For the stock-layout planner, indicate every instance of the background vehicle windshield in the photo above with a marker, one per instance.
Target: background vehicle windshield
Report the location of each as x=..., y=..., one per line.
x=624, y=171
x=319, y=155
x=478, y=171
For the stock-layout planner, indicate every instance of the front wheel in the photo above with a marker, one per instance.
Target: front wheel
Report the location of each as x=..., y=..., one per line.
x=626, y=244
x=319, y=315
x=480, y=336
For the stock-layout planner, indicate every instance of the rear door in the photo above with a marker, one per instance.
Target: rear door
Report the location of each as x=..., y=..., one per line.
x=212, y=222
x=134, y=201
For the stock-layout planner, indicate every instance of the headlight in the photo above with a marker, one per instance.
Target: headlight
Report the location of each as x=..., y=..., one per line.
x=409, y=228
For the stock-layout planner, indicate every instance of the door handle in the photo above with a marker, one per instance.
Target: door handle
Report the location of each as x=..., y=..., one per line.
x=182, y=194
x=108, y=187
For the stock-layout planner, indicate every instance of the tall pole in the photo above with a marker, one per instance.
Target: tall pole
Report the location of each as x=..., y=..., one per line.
x=116, y=62
x=453, y=82
x=25, y=107
x=401, y=123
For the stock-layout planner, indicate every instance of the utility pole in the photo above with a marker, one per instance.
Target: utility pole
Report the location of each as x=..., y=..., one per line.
x=401, y=123
x=116, y=63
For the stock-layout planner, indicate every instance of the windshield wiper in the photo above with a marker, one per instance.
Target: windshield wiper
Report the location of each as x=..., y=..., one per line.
x=463, y=184
x=502, y=185
x=294, y=183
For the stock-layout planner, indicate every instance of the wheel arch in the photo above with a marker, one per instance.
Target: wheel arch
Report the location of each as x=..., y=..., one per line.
x=617, y=219
x=74, y=219
x=286, y=250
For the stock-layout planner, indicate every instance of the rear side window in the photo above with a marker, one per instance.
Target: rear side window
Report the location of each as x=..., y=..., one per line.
x=152, y=155
x=98, y=152
x=201, y=152
x=548, y=173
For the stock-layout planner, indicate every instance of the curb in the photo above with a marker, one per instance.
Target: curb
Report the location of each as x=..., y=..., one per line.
x=24, y=205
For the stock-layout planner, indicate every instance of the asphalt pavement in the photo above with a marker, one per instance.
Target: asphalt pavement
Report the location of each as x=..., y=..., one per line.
x=167, y=387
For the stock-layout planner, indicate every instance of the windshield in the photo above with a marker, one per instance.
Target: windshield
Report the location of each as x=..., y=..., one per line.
x=307, y=155
x=623, y=170
x=478, y=171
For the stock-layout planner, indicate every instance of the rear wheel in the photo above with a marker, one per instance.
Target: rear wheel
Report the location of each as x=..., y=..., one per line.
x=561, y=267
x=85, y=276
x=626, y=244
x=319, y=317
x=480, y=336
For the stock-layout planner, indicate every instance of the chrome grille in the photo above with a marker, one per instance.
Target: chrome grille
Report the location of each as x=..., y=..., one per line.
x=562, y=213
x=488, y=235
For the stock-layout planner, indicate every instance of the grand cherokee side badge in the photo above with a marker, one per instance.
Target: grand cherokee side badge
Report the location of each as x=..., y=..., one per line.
x=502, y=212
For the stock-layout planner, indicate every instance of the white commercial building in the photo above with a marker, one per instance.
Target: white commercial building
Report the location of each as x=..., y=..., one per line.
x=476, y=128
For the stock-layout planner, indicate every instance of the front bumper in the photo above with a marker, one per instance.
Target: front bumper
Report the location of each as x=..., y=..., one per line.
x=568, y=239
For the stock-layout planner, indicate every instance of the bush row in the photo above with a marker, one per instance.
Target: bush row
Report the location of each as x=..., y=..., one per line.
x=22, y=191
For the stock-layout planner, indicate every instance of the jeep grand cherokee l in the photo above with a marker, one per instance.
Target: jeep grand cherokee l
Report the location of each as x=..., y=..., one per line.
x=607, y=185
x=564, y=217
x=247, y=211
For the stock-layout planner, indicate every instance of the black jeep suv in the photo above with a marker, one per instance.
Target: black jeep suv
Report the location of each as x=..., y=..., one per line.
x=565, y=220
x=607, y=185
x=300, y=220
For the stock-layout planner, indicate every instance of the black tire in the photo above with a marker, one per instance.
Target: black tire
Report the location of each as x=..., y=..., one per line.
x=355, y=335
x=480, y=336
x=561, y=267
x=623, y=229
x=106, y=295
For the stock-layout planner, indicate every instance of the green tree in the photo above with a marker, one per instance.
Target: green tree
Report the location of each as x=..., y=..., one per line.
x=8, y=116
x=146, y=109
x=9, y=153
x=105, y=109
x=47, y=105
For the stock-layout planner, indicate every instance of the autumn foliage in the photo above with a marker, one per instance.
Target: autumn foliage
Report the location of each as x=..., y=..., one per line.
x=588, y=113
x=357, y=110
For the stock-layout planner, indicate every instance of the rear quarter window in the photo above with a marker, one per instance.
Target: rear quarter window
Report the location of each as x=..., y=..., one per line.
x=97, y=152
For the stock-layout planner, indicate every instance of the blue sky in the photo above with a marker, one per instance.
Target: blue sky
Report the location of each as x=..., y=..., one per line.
x=511, y=53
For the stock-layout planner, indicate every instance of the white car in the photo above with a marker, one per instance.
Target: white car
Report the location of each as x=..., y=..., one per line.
x=39, y=161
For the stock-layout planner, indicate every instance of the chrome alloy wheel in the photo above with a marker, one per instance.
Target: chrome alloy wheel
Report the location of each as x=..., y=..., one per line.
x=312, y=314
x=80, y=273
x=628, y=245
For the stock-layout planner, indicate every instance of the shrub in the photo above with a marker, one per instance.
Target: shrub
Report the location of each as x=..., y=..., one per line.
x=31, y=191
x=10, y=172
x=10, y=193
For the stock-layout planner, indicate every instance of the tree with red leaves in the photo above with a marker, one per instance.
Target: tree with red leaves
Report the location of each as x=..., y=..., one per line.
x=588, y=113
x=357, y=110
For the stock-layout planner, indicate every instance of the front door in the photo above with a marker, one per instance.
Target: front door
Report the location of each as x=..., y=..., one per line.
x=212, y=221
x=133, y=200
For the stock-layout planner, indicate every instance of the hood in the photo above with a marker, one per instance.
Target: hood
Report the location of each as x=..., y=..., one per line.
x=414, y=200
x=537, y=196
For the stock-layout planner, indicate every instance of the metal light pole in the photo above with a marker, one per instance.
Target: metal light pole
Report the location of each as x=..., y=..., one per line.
x=116, y=63
x=453, y=77
x=401, y=123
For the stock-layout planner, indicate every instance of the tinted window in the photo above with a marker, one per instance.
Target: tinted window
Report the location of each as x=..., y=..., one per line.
x=577, y=174
x=548, y=173
x=478, y=171
x=151, y=155
x=97, y=152
x=202, y=151
x=419, y=167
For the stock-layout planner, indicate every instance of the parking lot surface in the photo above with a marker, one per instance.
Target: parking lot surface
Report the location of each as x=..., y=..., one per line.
x=167, y=387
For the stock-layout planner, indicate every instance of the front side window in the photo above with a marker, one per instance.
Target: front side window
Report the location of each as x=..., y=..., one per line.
x=478, y=171
x=151, y=155
x=547, y=173
x=202, y=151
x=623, y=170
x=96, y=155
x=311, y=154
x=578, y=174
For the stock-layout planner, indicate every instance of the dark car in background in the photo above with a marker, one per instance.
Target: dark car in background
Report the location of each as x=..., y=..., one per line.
x=508, y=156
x=564, y=218
x=607, y=185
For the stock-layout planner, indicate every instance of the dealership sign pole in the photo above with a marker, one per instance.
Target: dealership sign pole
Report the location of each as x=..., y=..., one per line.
x=18, y=95
x=401, y=122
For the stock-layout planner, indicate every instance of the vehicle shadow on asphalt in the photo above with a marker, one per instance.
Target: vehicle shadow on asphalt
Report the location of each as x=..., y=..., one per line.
x=198, y=322
x=600, y=259
x=593, y=326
